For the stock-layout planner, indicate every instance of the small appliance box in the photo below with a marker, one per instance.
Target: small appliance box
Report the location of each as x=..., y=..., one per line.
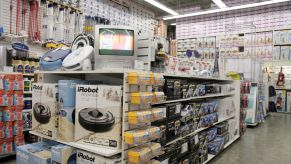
x=44, y=106
x=63, y=154
x=84, y=157
x=98, y=115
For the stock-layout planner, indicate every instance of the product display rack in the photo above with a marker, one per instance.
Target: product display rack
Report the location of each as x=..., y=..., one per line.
x=120, y=78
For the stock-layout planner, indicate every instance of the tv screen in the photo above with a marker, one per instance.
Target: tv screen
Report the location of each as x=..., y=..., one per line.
x=118, y=42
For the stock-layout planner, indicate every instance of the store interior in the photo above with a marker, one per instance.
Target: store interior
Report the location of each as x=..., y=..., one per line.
x=145, y=81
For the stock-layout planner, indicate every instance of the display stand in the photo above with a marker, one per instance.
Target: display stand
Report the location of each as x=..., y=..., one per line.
x=118, y=77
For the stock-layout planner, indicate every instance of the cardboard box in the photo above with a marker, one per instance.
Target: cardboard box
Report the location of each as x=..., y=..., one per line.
x=42, y=157
x=98, y=115
x=44, y=103
x=63, y=154
x=66, y=128
x=84, y=157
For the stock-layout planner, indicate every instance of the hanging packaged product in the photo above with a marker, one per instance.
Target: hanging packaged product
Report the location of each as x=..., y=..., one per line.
x=136, y=117
x=139, y=155
x=141, y=98
x=137, y=137
x=135, y=78
x=158, y=97
x=159, y=113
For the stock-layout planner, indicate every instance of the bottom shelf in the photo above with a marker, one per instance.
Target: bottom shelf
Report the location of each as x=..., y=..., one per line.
x=210, y=156
x=6, y=155
x=93, y=149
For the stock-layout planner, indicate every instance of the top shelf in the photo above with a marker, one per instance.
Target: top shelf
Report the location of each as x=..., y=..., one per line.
x=119, y=71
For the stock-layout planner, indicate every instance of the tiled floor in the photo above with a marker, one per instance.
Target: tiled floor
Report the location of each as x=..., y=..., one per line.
x=268, y=143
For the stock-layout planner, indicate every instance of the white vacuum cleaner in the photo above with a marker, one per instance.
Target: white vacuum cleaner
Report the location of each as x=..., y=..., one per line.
x=82, y=53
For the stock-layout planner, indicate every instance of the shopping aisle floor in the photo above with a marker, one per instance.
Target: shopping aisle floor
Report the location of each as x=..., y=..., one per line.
x=268, y=143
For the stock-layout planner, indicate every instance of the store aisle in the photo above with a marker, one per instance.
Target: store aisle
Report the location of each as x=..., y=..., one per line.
x=269, y=143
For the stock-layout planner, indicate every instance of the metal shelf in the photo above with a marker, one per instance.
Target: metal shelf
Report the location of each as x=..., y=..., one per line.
x=93, y=149
x=210, y=156
x=199, y=130
x=6, y=155
x=194, y=98
x=27, y=110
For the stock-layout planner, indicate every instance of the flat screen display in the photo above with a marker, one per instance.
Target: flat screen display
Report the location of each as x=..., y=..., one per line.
x=118, y=42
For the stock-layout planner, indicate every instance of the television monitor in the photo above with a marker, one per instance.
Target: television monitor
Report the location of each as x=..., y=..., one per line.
x=115, y=47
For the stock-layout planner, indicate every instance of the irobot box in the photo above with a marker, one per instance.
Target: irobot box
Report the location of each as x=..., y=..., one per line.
x=98, y=115
x=44, y=109
x=63, y=154
x=84, y=157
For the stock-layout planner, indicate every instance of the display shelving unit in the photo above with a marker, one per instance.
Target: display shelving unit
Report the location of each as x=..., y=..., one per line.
x=118, y=77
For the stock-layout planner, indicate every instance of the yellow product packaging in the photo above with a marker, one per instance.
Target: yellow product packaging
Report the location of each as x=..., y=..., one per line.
x=159, y=80
x=159, y=113
x=139, y=155
x=135, y=78
x=158, y=97
x=155, y=148
x=136, y=117
x=141, y=98
x=154, y=132
x=136, y=137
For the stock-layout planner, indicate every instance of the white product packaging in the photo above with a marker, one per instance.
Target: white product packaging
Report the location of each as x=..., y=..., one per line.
x=98, y=115
x=284, y=55
x=84, y=157
x=44, y=106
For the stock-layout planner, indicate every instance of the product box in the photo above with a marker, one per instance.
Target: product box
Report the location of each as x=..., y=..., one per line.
x=8, y=81
x=84, y=157
x=42, y=157
x=67, y=92
x=7, y=145
x=172, y=89
x=98, y=115
x=66, y=127
x=281, y=100
x=17, y=127
x=44, y=109
x=18, y=141
x=8, y=129
x=63, y=154
x=18, y=82
x=284, y=53
x=8, y=113
x=6, y=98
x=18, y=98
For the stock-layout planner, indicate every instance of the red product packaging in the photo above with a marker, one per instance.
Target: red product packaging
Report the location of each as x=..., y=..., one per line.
x=8, y=145
x=17, y=127
x=9, y=81
x=18, y=82
x=1, y=146
x=8, y=129
x=18, y=98
x=8, y=113
x=2, y=134
x=19, y=140
x=18, y=113
x=6, y=98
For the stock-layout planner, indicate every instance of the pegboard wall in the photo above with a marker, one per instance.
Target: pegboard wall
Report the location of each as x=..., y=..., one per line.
x=132, y=14
x=264, y=18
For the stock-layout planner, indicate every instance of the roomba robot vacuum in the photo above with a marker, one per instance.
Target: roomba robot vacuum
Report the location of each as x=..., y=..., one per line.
x=82, y=52
x=41, y=113
x=93, y=120
x=52, y=60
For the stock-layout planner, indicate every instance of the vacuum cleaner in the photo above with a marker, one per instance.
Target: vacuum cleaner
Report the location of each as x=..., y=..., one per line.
x=52, y=60
x=82, y=53
x=93, y=120
x=41, y=113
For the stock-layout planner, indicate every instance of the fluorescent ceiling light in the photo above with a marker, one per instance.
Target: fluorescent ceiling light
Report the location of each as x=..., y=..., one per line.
x=173, y=24
x=219, y=3
x=226, y=9
x=162, y=7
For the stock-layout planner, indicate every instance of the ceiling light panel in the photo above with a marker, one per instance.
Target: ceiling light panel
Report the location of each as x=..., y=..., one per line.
x=219, y=3
x=162, y=7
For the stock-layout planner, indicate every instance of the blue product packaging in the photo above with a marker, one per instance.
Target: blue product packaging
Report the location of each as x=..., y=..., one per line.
x=63, y=154
x=67, y=92
x=212, y=133
x=24, y=153
x=215, y=146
